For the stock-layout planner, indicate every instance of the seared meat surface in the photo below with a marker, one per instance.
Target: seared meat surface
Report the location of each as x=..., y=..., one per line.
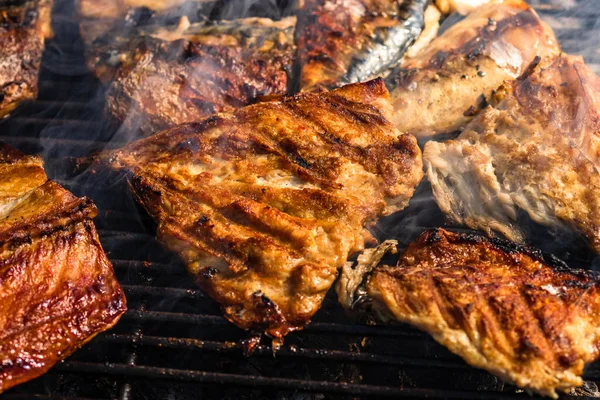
x=266, y=203
x=162, y=77
x=57, y=288
x=347, y=41
x=535, y=151
x=23, y=26
x=530, y=320
x=172, y=78
x=440, y=89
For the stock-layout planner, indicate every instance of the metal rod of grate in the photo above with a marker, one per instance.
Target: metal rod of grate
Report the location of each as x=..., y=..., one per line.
x=174, y=343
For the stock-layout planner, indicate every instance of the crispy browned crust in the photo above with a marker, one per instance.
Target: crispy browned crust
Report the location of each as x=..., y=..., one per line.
x=57, y=287
x=169, y=83
x=265, y=204
x=23, y=27
x=442, y=88
x=536, y=150
x=333, y=34
x=504, y=308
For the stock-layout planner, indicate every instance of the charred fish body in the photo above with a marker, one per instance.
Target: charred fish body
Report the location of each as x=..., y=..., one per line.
x=442, y=87
x=23, y=27
x=177, y=77
x=348, y=41
x=57, y=287
x=536, y=150
x=166, y=76
x=529, y=319
x=266, y=203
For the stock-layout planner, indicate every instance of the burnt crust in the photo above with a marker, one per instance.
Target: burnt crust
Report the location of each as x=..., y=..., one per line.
x=23, y=27
x=56, y=282
x=274, y=197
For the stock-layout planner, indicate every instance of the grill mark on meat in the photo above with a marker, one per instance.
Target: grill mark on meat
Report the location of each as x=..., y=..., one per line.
x=259, y=200
x=347, y=41
x=499, y=306
x=535, y=150
x=438, y=91
x=55, y=280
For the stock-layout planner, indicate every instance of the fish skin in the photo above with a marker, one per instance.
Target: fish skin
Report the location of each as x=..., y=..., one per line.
x=440, y=90
x=347, y=41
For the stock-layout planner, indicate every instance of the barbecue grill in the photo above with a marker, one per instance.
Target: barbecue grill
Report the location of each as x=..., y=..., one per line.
x=173, y=343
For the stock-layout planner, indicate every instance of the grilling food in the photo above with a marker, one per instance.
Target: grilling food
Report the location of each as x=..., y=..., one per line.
x=266, y=203
x=461, y=6
x=23, y=26
x=441, y=89
x=347, y=41
x=530, y=320
x=57, y=288
x=165, y=77
x=535, y=151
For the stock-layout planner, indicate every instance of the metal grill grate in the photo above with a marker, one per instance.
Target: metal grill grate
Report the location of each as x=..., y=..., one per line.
x=173, y=342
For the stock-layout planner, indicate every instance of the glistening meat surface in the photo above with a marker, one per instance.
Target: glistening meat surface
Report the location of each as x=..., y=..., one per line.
x=57, y=288
x=526, y=318
x=536, y=151
x=266, y=203
x=441, y=88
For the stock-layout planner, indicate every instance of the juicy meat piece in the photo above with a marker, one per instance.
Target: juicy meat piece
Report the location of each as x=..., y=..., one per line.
x=461, y=6
x=537, y=151
x=176, y=77
x=530, y=320
x=347, y=41
x=266, y=203
x=57, y=288
x=440, y=89
x=23, y=26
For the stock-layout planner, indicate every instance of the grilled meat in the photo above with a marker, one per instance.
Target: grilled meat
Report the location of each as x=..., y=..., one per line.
x=536, y=151
x=23, y=26
x=440, y=89
x=57, y=288
x=163, y=76
x=461, y=6
x=174, y=78
x=266, y=203
x=530, y=320
x=347, y=41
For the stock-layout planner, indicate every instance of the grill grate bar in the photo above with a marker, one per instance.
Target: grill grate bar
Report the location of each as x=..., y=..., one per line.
x=314, y=327
x=292, y=351
x=264, y=382
x=141, y=290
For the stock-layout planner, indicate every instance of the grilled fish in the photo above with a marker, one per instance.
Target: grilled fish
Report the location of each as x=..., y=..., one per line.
x=57, y=288
x=23, y=26
x=347, y=41
x=166, y=77
x=266, y=203
x=536, y=150
x=529, y=319
x=440, y=89
x=461, y=6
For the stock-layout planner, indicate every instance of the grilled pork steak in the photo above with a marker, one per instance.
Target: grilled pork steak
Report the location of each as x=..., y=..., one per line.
x=23, y=26
x=57, y=288
x=536, y=151
x=348, y=41
x=504, y=308
x=266, y=203
x=176, y=77
x=440, y=89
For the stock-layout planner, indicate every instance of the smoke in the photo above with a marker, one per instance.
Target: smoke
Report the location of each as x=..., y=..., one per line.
x=89, y=130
